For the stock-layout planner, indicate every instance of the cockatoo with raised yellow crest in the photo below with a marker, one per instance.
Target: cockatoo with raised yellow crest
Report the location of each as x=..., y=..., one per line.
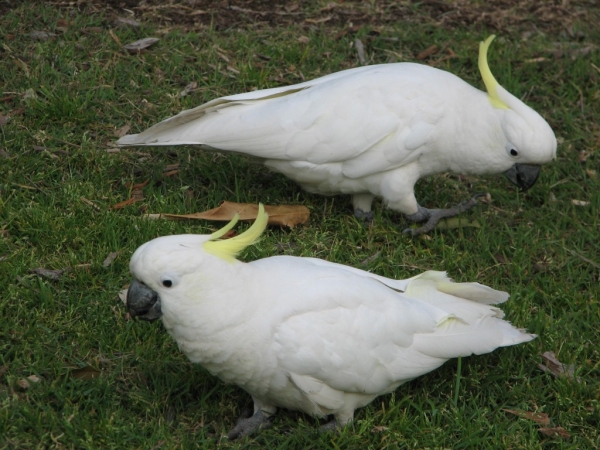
x=373, y=131
x=303, y=333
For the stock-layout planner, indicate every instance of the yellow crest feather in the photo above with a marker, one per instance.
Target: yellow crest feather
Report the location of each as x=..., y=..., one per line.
x=488, y=79
x=229, y=248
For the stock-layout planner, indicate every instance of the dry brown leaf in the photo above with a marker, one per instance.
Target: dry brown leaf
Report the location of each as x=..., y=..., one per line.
x=138, y=185
x=110, y=258
x=429, y=51
x=189, y=88
x=124, y=22
x=555, y=432
x=3, y=120
x=379, y=429
x=23, y=384
x=555, y=368
x=91, y=30
x=304, y=39
x=541, y=418
x=84, y=373
x=120, y=132
x=34, y=378
x=142, y=44
x=47, y=273
x=284, y=215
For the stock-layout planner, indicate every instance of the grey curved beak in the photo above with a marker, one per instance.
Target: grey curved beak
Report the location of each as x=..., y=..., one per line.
x=143, y=302
x=523, y=175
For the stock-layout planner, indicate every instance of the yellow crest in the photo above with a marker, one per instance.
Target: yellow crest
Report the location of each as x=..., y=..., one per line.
x=488, y=79
x=229, y=248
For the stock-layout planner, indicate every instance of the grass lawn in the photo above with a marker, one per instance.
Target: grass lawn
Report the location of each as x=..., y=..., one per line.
x=76, y=372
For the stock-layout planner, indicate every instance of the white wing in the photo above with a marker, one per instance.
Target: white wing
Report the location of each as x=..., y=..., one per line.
x=371, y=118
x=353, y=334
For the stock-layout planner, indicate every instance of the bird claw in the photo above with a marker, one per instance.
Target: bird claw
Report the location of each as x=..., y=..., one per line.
x=365, y=217
x=330, y=427
x=435, y=215
x=247, y=426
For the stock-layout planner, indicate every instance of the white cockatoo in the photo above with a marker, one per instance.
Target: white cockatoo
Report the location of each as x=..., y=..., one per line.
x=373, y=131
x=303, y=333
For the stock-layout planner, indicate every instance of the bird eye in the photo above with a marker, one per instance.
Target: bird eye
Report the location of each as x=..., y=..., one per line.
x=167, y=283
x=514, y=152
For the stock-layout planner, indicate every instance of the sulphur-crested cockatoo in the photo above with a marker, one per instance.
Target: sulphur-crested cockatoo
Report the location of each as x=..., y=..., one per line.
x=303, y=333
x=373, y=131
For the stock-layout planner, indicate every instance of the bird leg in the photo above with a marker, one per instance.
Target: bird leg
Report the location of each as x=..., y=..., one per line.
x=433, y=216
x=245, y=426
x=362, y=207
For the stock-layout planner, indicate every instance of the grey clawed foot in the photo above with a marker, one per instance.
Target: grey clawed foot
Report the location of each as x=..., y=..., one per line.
x=365, y=217
x=330, y=427
x=247, y=426
x=433, y=216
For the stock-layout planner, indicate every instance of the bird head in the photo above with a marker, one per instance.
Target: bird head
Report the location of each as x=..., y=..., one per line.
x=169, y=266
x=530, y=142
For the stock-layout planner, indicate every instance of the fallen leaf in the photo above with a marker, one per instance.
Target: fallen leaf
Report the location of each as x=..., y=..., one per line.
x=41, y=35
x=579, y=202
x=124, y=22
x=137, y=195
x=33, y=378
x=304, y=39
x=555, y=432
x=84, y=373
x=142, y=44
x=284, y=215
x=62, y=25
x=123, y=295
x=457, y=222
x=370, y=259
x=90, y=203
x=591, y=173
x=120, y=132
x=555, y=368
x=23, y=384
x=47, y=273
x=3, y=120
x=110, y=258
x=189, y=88
x=429, y=51
x=91, y=30
x=360, y=50
x=541, y=418
x=379, y=429
x=138, y=185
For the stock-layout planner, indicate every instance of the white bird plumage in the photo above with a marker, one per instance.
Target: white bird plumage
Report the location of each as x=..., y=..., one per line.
x=372, y=131
x=307, y=334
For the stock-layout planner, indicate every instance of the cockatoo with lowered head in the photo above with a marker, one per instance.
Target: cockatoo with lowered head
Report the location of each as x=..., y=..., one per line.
x=373, y=131
x=303, y=333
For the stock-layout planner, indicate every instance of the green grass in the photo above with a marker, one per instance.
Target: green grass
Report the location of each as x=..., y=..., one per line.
x=70, y=93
